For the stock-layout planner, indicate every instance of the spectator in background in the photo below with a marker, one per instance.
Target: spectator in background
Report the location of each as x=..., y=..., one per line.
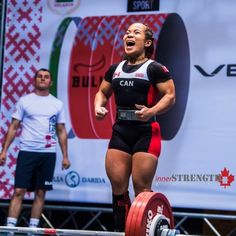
x=41, y=117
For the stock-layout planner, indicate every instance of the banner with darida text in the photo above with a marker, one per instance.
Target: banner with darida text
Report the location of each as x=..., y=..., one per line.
x=197, y=161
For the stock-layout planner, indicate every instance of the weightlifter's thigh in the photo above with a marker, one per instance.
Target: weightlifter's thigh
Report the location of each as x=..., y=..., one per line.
x=143, y=171
x=118, y=169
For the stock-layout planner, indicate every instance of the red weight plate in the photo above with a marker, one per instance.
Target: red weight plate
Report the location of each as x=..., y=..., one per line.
x=156, y=22
x=132, y=216
x=152, y=203
x=142, y=204
x=79, y=81
x=97, y=45
x=101, y=57
x=138, y=224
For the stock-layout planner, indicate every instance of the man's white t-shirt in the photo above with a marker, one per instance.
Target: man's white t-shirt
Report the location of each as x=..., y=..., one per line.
x=39, y=116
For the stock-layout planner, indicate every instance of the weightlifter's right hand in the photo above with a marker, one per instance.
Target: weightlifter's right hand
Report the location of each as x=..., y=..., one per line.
x=100, y=112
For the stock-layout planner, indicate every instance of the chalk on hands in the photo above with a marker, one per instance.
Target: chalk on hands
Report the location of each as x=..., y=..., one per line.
x=103, y=110
x=140, y=107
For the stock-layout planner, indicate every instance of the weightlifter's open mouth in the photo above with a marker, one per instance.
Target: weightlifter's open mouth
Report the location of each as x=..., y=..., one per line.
x=130, y=43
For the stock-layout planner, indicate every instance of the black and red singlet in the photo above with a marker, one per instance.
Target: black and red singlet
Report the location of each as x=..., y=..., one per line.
x=136, y=84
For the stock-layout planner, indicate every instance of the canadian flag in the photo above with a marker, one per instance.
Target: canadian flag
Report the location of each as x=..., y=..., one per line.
x=164, y=69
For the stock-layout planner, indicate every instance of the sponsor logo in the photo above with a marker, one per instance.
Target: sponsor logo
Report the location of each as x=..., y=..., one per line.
x=98, y=65
x=58, y=179
x=143, y=5
x=63, y=7
x=93, y=180
x=140, y=75
x=229, y=70
x=225, y=178
x=86, y=82
x=149, y=221
x=72, y=179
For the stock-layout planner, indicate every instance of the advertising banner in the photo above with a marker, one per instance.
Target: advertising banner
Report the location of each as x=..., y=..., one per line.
x=78, y=41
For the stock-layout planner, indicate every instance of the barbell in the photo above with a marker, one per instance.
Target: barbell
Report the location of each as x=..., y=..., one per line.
x=150, y=215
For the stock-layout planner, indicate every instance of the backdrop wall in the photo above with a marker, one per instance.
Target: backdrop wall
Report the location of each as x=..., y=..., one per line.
x=78, y=40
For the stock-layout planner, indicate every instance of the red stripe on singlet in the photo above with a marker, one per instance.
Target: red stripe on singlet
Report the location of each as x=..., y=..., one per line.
x=155, y=143
x=152, y=95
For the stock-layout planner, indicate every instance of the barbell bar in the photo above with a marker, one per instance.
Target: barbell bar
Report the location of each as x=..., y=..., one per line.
x=68, y=232
x=150, y=215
